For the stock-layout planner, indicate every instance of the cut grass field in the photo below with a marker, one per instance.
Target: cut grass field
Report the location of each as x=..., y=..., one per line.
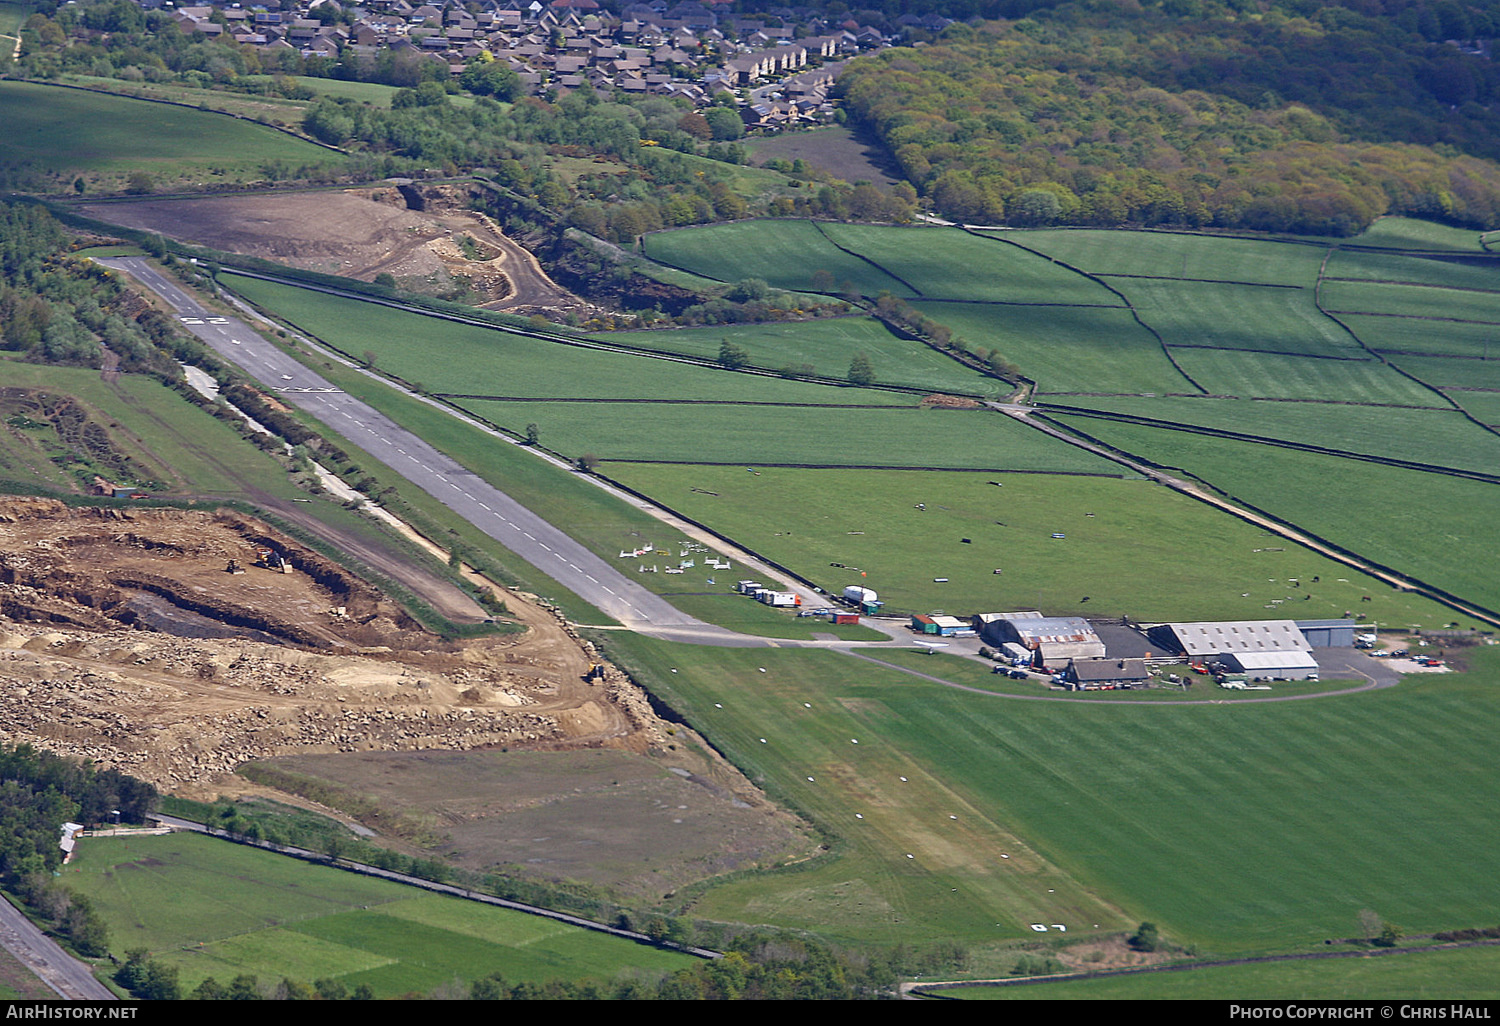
x=12, y=16
x=1172, y=255
x=1414, y=335
x=175, y=145
x=949, y=263
x=1438, y=529
x=218, y=909
x=1147, y=551
x=785, y=254
x=1239, y=828
x=1455, y=271
x=762, y=435
x=1250, y=317
x=457, y=359
x=1444, y=438
x=1423, y=301
x=1438, y=975
x=1407, y=233
x=1066, y=349
x=1231, y=372
x=827, y=346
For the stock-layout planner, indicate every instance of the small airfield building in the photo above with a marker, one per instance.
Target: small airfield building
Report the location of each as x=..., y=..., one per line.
x=1052, y=640
x=1084, y=674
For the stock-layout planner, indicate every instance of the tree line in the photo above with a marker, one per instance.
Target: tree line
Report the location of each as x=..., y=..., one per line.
x=1277, y=116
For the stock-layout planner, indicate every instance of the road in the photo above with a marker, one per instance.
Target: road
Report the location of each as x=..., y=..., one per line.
x=68, y=977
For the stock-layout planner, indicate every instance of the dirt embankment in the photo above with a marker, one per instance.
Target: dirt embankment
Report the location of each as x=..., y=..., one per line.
x=360, y=233
x=125, y=638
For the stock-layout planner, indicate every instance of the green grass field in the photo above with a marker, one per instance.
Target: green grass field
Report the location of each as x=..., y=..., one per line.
x=1406, y=233
x=785, y=254
x=752, y=435
x=1066, y=349
x=176, y=146
x=1147, y=551
x=1285, y=376
x=1248, y=317
x=458, y=359
x=1411, y=976
x=12, y=16
x=827, y=346
x=1238, y=828
x=1169, y=255
x=218, y=909
x=949, y=263
x=1413, y=335
x=1422, y=301
x=177, y=442
x=1439, y=437
x=1437, y=529
x=1468, y=272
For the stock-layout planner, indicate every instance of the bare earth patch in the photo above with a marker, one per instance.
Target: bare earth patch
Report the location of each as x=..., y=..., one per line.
x=360, y=233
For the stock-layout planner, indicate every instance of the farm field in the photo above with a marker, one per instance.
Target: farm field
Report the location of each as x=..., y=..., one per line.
x=826, y=346
x=1435, y=528
x=1147, y=551
x=1412, y=976
x=1230, y=372
x=1439, y=437
x=784, y=254
x=833, y=148
x=762, y=435
x=1413, y=335
x=1250, y=317
x=1482, y=406
x=174, y=145
x=457, y=359
x=12, y=16
x=1172, y=255
x=1259, y=860
x=1454, y=272
x=219, y=909
x=1066, y=349
x=1421, y=301
x=1408, y=233
x=949, y=263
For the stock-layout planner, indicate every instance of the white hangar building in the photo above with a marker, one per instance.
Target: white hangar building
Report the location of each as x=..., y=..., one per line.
x=1275, y=649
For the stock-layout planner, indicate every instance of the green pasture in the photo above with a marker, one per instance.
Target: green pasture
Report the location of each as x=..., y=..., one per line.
x=1238, y=827
x=1408, y=233
x=1250, y=317
x=827, y=346
x=1454, y=272
x=1482, y=406
x=1420, y=301
x=458, y=359
x=218, y=909
x=785, y=254
x=176, y=145
x=1170, y=255
x=1414, y=335
x=1451, y=374
x=12, y=16
x=1435, y=528
x=1066, y=349
x=1440, y=437
x=1286, y=376
x=950, y=263
x=175, y=440
x=1438, y=975
x=1147, y=551
x=754, y=435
